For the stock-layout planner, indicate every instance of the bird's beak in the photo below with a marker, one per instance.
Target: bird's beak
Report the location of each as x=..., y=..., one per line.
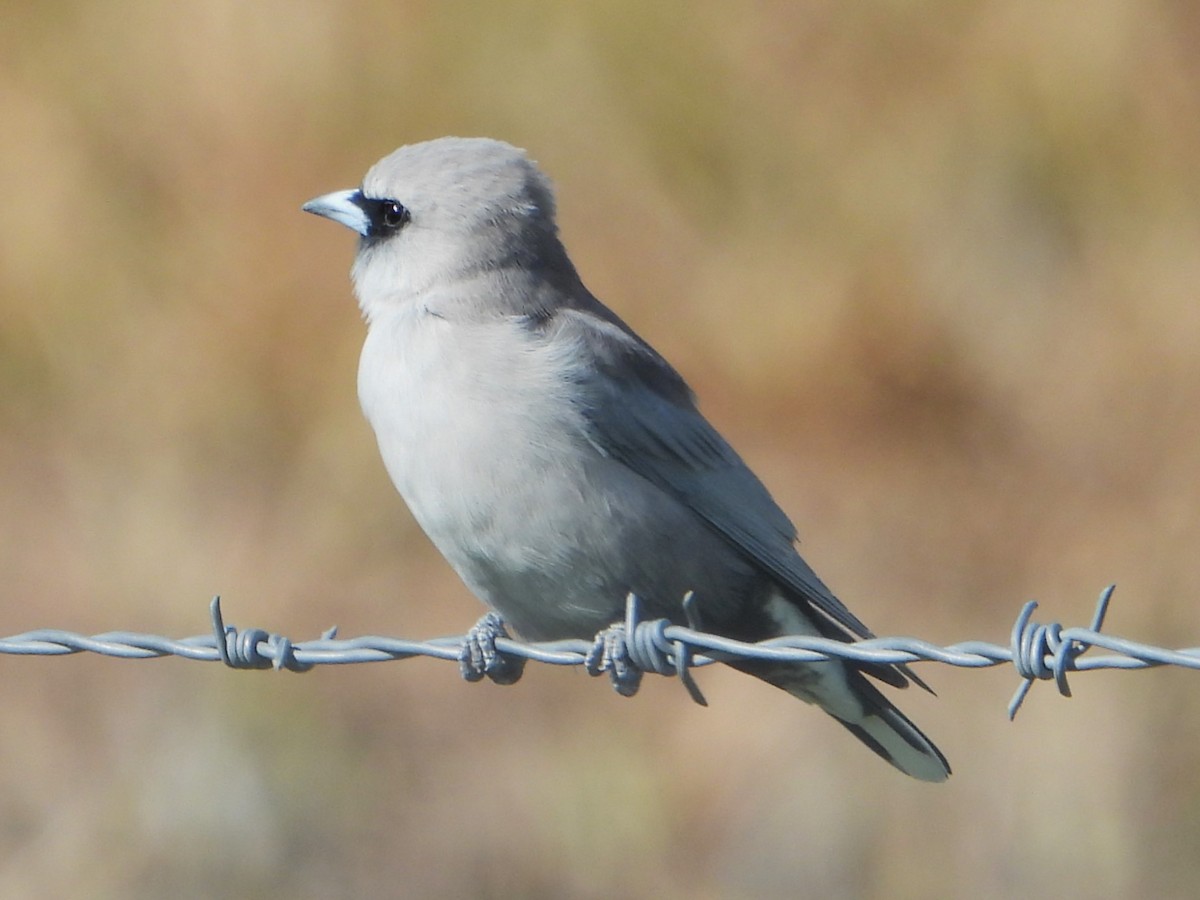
x=345, y=207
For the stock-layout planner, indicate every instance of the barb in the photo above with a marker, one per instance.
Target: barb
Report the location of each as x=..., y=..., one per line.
x=630, y=648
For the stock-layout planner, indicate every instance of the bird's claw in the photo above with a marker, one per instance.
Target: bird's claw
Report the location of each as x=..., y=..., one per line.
x=610, y=653
x=478, y=656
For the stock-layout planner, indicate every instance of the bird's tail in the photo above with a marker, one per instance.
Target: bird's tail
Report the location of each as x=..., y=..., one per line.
x=841, y=689
x=846, y=694
x=891, y=734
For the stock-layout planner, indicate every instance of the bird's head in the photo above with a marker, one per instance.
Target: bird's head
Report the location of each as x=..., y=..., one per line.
x=443, y=210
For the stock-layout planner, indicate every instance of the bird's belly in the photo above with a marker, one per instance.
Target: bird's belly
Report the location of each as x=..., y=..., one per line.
x=537, y=522
x=558, y=555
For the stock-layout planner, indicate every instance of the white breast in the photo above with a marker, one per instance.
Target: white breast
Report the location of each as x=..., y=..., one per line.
x=477, y=430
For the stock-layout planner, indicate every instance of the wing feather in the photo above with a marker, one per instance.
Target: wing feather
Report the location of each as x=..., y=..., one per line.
x=640, y=411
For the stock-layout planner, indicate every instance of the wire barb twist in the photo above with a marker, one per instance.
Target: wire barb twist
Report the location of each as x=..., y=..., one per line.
x=1033, y=644
x=629, y=648
x=241, y=649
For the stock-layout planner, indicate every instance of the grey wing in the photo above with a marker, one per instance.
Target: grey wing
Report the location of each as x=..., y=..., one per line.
x=641, y=413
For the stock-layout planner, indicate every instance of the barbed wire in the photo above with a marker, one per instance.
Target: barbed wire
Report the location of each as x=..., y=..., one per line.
x=628, y=649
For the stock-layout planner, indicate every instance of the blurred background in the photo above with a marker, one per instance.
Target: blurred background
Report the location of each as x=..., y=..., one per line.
x=934, y=268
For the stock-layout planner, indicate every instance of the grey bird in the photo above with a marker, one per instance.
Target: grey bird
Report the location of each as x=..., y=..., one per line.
x=555, y=459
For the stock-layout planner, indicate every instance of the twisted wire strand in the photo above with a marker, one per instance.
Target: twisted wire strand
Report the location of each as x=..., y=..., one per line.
x=1038, y=652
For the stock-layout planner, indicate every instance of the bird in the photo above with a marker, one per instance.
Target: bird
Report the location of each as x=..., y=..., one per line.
x=556, y=460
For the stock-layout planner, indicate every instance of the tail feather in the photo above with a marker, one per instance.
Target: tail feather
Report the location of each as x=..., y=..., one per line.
x=893, y=736
x=842, y=689
x=849, y=698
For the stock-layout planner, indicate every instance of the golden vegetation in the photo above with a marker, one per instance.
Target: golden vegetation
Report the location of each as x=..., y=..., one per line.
x=935, y=270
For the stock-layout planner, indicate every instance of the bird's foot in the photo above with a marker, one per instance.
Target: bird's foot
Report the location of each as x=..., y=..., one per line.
x=478, y=655
x=610, y=653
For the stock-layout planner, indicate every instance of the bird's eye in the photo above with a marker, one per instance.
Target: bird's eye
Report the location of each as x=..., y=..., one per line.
x=392, y=215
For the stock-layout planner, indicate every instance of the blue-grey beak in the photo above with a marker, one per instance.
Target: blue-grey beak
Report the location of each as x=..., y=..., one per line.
x=344, y=207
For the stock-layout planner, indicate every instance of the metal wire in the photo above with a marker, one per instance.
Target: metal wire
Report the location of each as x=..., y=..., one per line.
x=625, y=651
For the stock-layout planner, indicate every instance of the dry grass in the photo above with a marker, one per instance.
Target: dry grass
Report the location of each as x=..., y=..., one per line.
x=934, y=268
